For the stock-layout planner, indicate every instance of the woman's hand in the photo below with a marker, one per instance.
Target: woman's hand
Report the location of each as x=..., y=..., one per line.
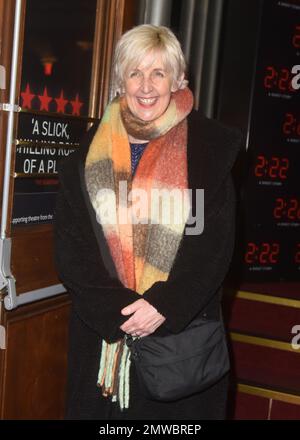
x=144, y=321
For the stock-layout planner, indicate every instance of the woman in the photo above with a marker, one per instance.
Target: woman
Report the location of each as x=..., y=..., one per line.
x=128, y=271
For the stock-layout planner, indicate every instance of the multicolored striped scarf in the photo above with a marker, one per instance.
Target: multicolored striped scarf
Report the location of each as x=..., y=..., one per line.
x=143, y=218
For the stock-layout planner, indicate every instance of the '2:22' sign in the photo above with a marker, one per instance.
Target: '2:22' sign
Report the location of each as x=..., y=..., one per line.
x=296, y=79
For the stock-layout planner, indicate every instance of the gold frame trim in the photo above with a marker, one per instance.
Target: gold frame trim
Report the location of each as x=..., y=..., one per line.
x=268, y=299
x=263, y=342
x=269, y=394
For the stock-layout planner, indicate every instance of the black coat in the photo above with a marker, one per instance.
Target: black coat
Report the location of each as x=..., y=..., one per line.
x=193, y=287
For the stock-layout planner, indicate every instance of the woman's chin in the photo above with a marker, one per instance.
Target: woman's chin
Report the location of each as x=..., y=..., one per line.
x=147, y=116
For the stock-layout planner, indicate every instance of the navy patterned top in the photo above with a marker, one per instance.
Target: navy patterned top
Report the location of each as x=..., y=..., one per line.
x=136, y=153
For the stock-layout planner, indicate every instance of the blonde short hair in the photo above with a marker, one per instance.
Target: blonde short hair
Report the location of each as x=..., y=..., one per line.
x=139, y=41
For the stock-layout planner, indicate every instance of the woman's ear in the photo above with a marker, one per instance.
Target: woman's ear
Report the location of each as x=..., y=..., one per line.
x=177, y=84
x=174, y=87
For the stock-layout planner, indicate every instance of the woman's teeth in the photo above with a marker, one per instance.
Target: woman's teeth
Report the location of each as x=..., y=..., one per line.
x=147, y=101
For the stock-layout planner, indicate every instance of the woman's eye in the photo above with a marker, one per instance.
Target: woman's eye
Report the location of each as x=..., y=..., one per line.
x=134, y=74
x=159, y=74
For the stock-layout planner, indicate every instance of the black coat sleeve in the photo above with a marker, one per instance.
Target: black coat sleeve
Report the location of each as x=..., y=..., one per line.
x=97, y=298
x=200, y=265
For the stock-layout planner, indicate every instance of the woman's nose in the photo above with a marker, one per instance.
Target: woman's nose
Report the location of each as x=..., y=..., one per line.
x=146, y=85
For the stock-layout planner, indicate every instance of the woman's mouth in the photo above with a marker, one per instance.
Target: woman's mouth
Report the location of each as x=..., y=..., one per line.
x=147, y=102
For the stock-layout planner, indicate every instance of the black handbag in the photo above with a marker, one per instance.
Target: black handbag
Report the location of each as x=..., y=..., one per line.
x=177, y=365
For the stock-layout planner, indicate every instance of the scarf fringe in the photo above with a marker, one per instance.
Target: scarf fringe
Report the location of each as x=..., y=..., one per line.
x=108, y=363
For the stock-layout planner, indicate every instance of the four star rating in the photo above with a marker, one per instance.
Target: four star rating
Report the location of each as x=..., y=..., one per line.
x=45, y=99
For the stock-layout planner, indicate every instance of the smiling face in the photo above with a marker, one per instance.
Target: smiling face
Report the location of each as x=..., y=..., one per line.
x=148, y=88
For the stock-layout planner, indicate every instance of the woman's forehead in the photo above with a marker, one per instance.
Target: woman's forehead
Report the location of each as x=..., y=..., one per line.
x=151, y=60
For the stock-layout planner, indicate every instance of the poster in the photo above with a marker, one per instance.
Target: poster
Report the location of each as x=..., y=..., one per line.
x=55, y=88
